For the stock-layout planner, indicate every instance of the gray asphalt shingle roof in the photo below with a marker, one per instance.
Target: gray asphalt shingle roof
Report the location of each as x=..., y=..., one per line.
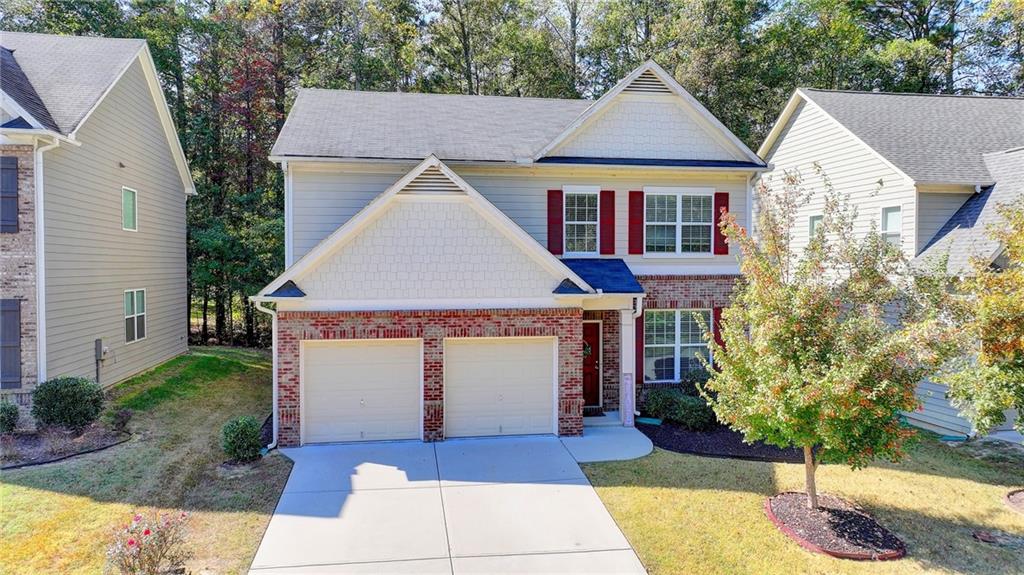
x=931, y=138
x=966, y=235
x=350, y=124
x=69, y=74
x=14, y=82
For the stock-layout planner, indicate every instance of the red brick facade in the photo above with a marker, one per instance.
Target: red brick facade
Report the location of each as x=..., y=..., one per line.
x=432, y=327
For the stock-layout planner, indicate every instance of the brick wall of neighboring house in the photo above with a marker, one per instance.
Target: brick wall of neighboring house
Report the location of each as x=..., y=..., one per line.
x=18, y=270
x=610, y=344
x=432, y=327
x=681, y=292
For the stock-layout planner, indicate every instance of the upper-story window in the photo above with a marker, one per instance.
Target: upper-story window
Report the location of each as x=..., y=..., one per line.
x=678, y=221
x=892, y=224
x=813, y=223
x=129, y=210
x=581, y=217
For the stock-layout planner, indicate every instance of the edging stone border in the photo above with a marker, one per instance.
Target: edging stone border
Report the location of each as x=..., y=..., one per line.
x=69, y=456
x=815, y=548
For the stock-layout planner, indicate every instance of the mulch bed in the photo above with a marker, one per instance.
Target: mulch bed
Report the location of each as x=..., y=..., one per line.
x=718, y=442
x=49, y=445
x=837, y=528
x=1015, y=499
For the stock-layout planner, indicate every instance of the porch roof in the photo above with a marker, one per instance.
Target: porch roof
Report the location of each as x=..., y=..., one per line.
x=609, y=275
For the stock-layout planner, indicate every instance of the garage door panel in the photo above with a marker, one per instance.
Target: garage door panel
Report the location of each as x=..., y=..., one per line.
x=500, y=386
x=361, y=390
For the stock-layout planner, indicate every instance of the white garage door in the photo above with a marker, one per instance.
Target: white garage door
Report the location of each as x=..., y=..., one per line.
x=500, y=386
x=360, y=390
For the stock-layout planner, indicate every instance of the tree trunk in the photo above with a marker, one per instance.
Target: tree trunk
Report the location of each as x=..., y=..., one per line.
x=206, y=306
x=810, y=466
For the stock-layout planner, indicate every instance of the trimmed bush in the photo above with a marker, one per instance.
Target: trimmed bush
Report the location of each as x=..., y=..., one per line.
x=8, y=417
x=240, y=438
x=676, y=406
x=71, y=402
x=692, y=379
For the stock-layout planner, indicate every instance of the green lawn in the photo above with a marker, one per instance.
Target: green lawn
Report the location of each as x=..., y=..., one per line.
x=57, y=518
x=688, y=514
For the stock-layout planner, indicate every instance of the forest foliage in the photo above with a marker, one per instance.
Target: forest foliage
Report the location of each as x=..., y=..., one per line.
x=229, y=69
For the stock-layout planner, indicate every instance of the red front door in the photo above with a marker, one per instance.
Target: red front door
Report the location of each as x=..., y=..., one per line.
x=591, y=364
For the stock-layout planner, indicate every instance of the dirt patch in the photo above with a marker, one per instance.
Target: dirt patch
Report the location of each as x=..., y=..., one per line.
x=1015, y=499
x=718, y=442
x=837, y=528
x=47, y=445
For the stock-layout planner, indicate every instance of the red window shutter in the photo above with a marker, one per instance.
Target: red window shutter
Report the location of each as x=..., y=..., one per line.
x=716, y=325
x=639, y=351
x=555, y=222
x=636, y=222
x=607, y=219
x=721, y=206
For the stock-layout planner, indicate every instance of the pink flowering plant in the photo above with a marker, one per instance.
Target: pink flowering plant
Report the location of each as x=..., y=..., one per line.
x=824, y=343
x=149, y=545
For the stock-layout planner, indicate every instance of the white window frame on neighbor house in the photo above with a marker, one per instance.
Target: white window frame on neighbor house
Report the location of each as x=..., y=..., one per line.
x=679, y=223
x=677, y=343
x=575, y=191
x=135, y=209
x=813, y=221
x=887, y=233
x=135, y=315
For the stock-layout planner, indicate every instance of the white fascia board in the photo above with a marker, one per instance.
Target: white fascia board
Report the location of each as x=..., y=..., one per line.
x=302, y=304
x=376, y=208
x=167, y=123
x=787, y=111
x=12, y=107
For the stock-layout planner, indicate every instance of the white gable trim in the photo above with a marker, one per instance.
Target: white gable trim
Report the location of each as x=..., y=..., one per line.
x=12, y=107
x=787, y=112
x=652, y=67
x=374, y=209
x=157, y=94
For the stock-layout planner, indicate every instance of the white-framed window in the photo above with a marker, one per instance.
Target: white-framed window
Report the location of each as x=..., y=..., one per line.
x=581, y=219
x=672, y=342
x=129, y=210
x=892, y=224
x=134, y=315
x=813, y=222
x=678, y=221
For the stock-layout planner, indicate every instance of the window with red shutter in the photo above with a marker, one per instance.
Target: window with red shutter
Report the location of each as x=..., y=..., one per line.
x=555, y=222
x=636, y=222
x=721, y=208
x=607, y=222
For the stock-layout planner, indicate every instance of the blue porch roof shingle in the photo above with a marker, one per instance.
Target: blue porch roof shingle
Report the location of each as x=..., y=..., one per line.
x=288, y=289
x=605, y=274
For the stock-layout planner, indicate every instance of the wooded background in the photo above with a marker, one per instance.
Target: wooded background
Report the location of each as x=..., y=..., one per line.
x=229, y=70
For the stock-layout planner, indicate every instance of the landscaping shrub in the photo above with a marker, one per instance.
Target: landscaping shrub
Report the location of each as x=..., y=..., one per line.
x=71, y=402
x=149, y=546
x=676, y=406
x=691, y=380
x=8, y=417
x=240, y=438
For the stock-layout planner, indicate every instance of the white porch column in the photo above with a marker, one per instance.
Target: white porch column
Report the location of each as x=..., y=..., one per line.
x=627, y=366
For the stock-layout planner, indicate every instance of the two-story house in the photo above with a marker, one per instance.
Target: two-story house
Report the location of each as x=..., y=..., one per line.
x=472, y=265
x=92, y=203
x=926, y=171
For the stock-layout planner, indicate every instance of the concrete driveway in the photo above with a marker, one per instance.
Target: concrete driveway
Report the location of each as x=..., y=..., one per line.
x=502, y=505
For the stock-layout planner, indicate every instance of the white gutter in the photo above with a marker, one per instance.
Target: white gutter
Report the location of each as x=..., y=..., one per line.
x=40, y=229
x=638, y=310
x=39, y=133
x=273, y=347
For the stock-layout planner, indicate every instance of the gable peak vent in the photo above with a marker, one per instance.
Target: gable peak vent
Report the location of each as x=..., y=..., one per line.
x=647, y=83
x=432, y=181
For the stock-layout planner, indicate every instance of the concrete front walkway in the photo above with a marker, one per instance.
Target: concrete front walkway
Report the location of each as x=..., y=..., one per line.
x=496, y=505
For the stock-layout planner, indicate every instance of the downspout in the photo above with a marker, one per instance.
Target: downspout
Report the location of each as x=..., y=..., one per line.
x=40, y=230
x=273, y=346
x=638, y=310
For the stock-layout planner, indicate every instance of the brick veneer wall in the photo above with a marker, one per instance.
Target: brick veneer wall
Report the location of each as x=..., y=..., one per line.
x=18, y=269
x=432, y=327
x=610, y=344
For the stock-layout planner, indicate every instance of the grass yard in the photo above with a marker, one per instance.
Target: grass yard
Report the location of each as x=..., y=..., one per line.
x=689, y=514
x=57, y=518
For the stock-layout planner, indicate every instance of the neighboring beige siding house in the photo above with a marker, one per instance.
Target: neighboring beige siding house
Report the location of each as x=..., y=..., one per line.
x=94, y=191
x=927, y=171
x=472, y=265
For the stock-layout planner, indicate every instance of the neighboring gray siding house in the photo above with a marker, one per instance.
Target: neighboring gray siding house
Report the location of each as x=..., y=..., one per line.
x=94, y=191
x=927, y=171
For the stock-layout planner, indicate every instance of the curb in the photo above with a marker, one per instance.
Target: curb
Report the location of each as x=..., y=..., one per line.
x=815, y=548
x=64, y=457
